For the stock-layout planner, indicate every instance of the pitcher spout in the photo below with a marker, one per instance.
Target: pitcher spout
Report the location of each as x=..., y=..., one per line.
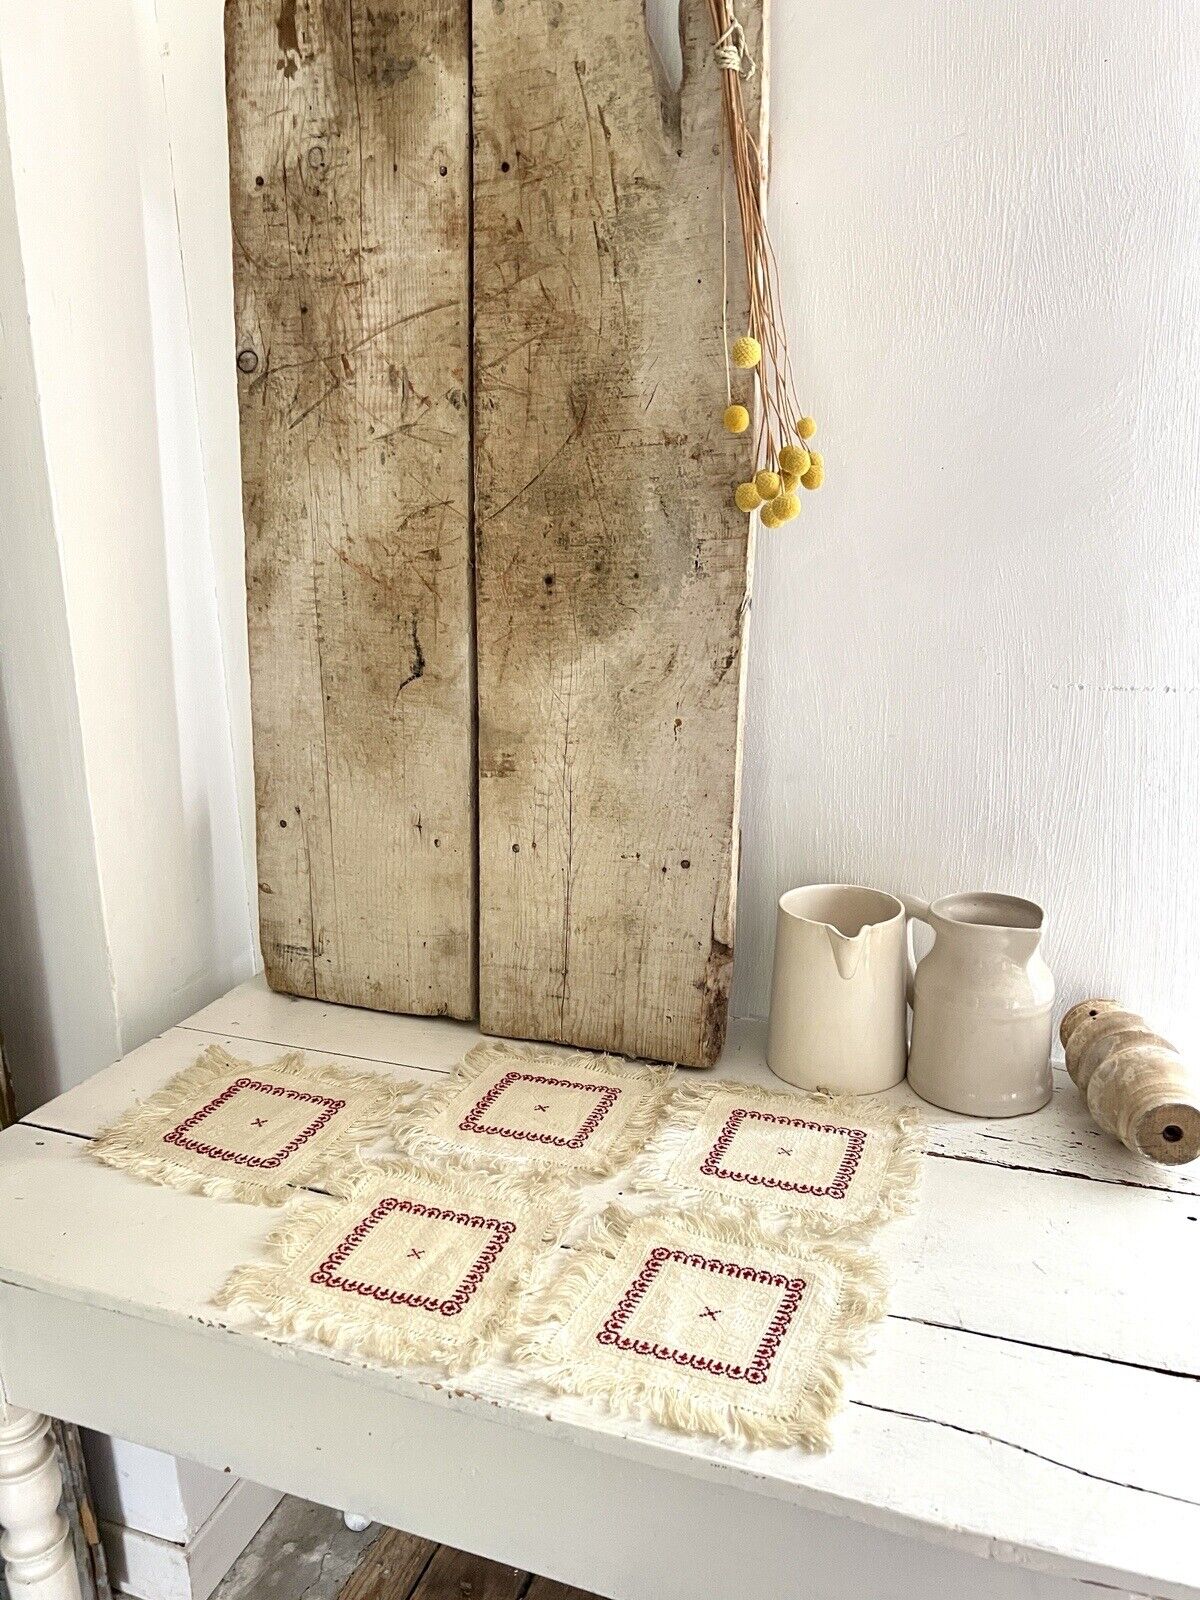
x=847, y=950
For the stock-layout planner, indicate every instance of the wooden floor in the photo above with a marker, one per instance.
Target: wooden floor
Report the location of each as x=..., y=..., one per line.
x=306, y=1552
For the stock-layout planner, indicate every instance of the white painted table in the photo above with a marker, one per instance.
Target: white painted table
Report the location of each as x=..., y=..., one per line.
x=1028, y=1427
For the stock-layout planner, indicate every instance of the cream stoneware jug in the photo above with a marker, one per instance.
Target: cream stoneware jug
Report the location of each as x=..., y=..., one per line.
x=838, y=1009
x=982, y=1000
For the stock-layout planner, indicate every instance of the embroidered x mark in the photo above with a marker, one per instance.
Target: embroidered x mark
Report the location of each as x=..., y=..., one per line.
x=710, y=1312
x=417, y=1254
x=782, y=1152
x=541, y=1108
x=259, y=1122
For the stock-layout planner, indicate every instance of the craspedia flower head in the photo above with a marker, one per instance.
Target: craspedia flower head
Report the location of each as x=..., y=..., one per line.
x=784, y=507
x=794, y=458
x=815, y=476
x=736, y=419
x=747, y=352
x=746, y=497
x=806, y=427
x=789, y=481
x=767, y=483
x=768, y=518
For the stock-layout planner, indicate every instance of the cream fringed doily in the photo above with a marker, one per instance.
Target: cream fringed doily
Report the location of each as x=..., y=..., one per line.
x=405, y=1265
x=580, y=1115
x=820, y=1165
x=239, y=1132
x=704, y=1325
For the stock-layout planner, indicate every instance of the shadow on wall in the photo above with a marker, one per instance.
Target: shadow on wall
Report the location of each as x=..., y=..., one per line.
x=56, y=1004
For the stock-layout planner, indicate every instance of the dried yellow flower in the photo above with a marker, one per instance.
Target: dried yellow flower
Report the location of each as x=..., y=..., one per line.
x=794, y=458
x=806, y=427
x=767, y=483
x=785, y=507
x=736, y=419
x=746, y=497
x=747, y=352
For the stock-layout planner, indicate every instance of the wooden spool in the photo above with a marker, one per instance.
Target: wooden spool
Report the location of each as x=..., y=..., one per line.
x=1136, y=1084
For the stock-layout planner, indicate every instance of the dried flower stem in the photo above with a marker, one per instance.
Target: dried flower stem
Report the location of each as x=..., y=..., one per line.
x=778, y=408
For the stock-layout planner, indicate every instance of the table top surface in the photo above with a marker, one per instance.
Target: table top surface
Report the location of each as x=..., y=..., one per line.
x=1034, y=1389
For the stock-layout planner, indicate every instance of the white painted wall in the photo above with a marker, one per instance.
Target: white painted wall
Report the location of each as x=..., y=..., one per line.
x=111, y=344
x=124, y=894
x=976, y=662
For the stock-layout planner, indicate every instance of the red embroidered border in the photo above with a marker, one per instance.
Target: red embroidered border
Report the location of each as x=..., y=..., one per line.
x=609, y=1095
x=501, y=1232
x=238, y=1157
x=760, y=1363
x=856, y=1139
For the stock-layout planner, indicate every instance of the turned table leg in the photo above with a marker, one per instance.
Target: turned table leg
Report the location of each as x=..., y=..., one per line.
x=35, y=1541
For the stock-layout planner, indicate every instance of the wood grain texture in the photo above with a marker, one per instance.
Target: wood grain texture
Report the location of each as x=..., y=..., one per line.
x=547, y=1589
x=349, y=163
x=391, y=1568
x=456, y=1575
x=611, y=567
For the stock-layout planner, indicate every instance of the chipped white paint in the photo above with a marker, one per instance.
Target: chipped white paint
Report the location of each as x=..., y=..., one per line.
x=1037, y=1320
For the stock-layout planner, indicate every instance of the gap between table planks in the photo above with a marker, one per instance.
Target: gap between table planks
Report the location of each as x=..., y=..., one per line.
x=1053, y=1384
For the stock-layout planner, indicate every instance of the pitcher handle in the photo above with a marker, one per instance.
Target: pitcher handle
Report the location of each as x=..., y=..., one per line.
x=915, y=911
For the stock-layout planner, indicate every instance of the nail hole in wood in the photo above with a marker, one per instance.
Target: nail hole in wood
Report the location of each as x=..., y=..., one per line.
x=1172, y=1133
x=247, y=361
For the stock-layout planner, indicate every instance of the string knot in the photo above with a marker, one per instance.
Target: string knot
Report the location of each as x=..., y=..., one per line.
x=731, y=52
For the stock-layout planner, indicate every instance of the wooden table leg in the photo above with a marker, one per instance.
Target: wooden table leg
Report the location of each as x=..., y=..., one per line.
x=35, y=1540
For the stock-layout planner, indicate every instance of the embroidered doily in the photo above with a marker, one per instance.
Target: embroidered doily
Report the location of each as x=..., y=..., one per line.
x=831, y=1166
x=239, y=1132
x=405, y=1266
x=579, y=1114
x=704, y=1325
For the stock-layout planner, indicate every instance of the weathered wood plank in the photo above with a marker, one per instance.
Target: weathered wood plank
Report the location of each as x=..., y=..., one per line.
x=302, y=1552
x=391, y=1568
x=547, y=1589
x=611, y=567
x=349, y=183
x=456, y=1575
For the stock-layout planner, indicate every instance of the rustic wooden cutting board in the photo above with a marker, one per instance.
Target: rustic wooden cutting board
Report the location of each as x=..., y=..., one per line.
x=350, y=186
x=611, y=565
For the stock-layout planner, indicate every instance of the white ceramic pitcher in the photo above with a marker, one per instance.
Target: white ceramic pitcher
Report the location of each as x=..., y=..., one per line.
x=838, y=1012
x=982, y=1001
